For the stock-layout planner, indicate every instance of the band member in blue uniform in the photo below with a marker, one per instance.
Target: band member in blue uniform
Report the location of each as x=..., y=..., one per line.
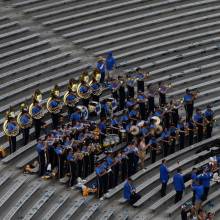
x=141, y=99
x=190, y=127
x=124, y=166
x=122, y=95
x=140, y=79
x=162, y=93
x=173, y=134
x=153, y=148
x=72, y=167
x=102, y=129
x=54, y=104
x=164, y=177
x=179, y=185
x=150, y=95
x=11, y=127
x=209, y=119
x=130, y=85
x=165, y=137
x=101, y=68
x=37, y=121
x=199, y=122
x=188, y=104
x=181, y=131
x=40, y=147
x=110, y=63
x=25, y=121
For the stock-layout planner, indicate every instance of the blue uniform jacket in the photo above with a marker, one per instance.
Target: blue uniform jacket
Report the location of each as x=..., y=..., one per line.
x=178, y=182
x=128, y=188
x=164, y=173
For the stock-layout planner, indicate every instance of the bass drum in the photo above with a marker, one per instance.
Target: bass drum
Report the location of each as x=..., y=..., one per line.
x=84, y=112
x=94, y=107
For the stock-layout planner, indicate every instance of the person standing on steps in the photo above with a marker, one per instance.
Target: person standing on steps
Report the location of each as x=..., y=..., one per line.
x=164, y=177
x=179, y=185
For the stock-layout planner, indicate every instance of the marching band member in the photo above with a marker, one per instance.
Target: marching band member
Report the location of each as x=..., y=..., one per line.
x=122, y=94
x=71, y=97
x=40, y=147
x=102, y=128
x=199, y=120
x=25, y=122
x=150, y=96
x=95, y=85
x=11, y=129
x=72, y=167
x=54, y=106
x=101, y=68
x=130, y=85
x=162, y=93
x=124, y=166
x=110, y=63
x=110, y=163
x=173, y=134
x=141, y=99
x=60, y=159
x=181, y=131
x=188, y=104
x=209, y=119
x=153, y=144
x=165, y=137
x=140, y=79
x=175, y=106
x=191, y=127
x=116, y=168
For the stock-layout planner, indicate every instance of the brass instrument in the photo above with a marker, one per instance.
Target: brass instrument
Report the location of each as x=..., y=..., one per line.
x=55, y=93
x=24, y=112
x=70, y=99
x=135, y=130
x=10, y=119
x=84, y=111
x=158, y=130
x=115, y=84
x=83, y=89
x=37, y=99
x=96, y=87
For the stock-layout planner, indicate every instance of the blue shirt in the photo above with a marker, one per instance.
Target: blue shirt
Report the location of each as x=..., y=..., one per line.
x=153, y=141
x=178, y=182
x=101, y=67
x=39, y=147
x=109, y=161
x=187, y=98
x=124, y=118
x=110, y=62
x=75, y=116
x=194, y=178
x=114, y=122
x=205, y=179
x=209, y=113
x=132, y=113
x=165, y=134
x=58, y=150
x=69, y=157
x=102, y=127
x=71, y=98
x=164, y=173
x=98, y=170
x=198, y=118
x=199, y=190
x=127, y=191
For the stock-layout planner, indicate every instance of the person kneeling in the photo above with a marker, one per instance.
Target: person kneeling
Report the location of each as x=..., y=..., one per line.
x=130, y=192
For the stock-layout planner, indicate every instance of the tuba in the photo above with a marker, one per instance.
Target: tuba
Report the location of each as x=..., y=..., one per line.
x=83, y=89
x=70, y=99
x=96, y=87
x=24, y=112
x=54, y=104
x=15, y=131
x=37, y=99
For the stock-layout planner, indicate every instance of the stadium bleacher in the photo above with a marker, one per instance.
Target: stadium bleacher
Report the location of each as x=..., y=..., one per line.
x=175, y=40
